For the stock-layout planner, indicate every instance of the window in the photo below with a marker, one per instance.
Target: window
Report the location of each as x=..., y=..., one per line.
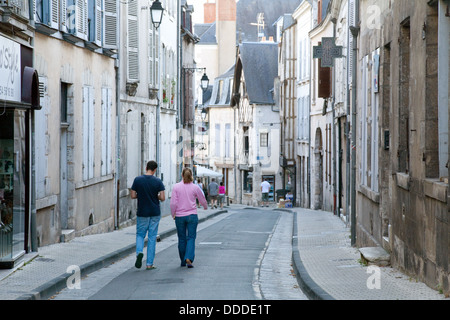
x=63, y=98
x=403, y=108
x=369, y=121
x=95, y=24
x=219, y=92
x=264, y=139
x=246, y=141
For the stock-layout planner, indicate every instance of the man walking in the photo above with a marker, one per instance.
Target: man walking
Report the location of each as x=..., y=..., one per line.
x=213, y=189
x=149, y=190
x=265, y=188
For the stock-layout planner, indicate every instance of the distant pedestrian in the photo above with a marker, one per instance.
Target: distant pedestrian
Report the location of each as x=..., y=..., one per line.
x=213, y=191
x=200, y=184
x=222, y=192
x=265, y=188
x=184, y=211
x=149, y=191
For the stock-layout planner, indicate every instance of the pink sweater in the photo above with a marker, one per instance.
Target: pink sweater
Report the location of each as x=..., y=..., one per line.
x=183, y=198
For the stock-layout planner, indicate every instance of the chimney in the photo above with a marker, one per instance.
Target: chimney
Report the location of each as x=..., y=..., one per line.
x=209, y=12
x=226, y=34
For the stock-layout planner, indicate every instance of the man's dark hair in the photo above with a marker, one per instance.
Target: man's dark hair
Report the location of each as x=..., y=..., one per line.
x=152, y=165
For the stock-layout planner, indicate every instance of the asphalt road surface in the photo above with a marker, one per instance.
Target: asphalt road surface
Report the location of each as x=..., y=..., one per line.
x=240, y=255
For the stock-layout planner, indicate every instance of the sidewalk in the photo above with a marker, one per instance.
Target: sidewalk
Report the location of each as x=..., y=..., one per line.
x=328, y=267
x=45, y=272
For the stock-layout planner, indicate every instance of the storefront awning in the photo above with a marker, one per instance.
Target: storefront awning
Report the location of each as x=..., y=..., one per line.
x=205, y=172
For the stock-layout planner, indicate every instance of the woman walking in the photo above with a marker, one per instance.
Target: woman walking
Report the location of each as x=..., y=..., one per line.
x=184, y=210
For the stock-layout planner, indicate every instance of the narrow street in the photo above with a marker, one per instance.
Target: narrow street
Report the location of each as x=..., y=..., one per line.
x=241, y=255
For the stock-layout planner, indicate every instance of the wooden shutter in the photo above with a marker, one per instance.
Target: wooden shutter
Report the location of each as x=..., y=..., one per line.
x=324, y=81
x=110, y=24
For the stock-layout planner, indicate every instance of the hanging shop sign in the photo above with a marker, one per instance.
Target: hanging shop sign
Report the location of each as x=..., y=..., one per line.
x=10, y=67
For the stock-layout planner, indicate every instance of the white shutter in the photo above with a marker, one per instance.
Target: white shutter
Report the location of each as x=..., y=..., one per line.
x=91, y=132
x=151, y=63
x=50, y=14
x=81, y=19
x=351, y=22
x=156, y=57
x=104, y=131
x=54, y=14
x=85, y=132
x=133, y=42
x=133, y=146
x=217, y=140
x=110, y=26
x=88, y=133
x=109, y=149
x=63, y=16
x=98, y=22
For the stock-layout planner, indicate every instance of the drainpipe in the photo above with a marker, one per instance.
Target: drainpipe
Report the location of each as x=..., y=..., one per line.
x=32, y=200
x=117, y=173
x=118, y=115
x=355, y=32
x=335, y=153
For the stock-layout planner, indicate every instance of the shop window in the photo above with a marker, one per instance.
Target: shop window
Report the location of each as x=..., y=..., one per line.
x=12, y=184
x=248, y=182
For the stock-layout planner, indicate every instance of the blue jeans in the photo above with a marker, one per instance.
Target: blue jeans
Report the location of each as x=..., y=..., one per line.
x=187, y=232
x=144, y=225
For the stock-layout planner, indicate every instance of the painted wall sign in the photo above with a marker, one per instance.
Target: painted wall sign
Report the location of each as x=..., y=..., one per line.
x=10, y=87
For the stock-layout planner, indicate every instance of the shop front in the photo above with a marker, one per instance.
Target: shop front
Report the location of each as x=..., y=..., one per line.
x=19, y=97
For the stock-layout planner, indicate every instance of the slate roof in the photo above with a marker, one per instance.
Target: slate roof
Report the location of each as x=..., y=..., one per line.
x=206, y=32
x=259, y=63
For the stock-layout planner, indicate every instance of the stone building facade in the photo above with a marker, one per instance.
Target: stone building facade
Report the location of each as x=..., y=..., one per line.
x=402, y=181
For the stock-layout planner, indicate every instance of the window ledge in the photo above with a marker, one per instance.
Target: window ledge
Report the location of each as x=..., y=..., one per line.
x=91, y=182
x=46, y=202
x=372, y=195
x=435, y=189
x=403, y=180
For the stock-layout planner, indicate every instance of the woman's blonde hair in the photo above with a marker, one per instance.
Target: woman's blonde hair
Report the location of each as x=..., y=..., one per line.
x=187, y=175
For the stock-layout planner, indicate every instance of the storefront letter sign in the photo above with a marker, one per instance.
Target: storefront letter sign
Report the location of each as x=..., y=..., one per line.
x=10, y=87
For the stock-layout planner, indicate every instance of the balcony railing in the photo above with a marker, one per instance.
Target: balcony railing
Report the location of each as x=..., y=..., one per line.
x=20, y=7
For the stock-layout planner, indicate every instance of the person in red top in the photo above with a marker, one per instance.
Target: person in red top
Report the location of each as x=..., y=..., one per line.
x=221, y=194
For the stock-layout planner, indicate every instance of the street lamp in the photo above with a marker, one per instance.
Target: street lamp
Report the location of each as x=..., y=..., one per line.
x=156, y=12
x=204, y=83
x=203, y=114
